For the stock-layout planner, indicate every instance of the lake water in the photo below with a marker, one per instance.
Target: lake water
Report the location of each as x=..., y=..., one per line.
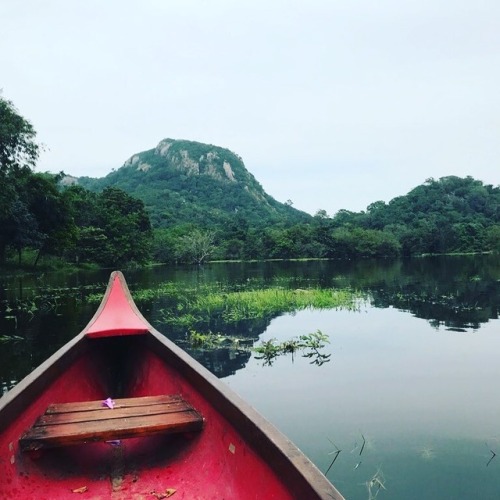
x=411, y=392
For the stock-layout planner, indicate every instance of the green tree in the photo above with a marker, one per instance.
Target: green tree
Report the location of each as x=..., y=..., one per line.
x=52, y=212
x=18, y=149
x=197, y=246
x=113, y=228
x=26, y=233
x=18, y=154
x=166, y=243
x=493, y=238
x=359, y=242
x=126, y=226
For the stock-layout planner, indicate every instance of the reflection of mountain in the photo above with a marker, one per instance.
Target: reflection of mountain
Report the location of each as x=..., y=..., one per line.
x=222, y=362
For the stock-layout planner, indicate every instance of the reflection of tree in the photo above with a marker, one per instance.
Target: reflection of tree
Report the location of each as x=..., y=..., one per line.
x=455, y=291
x=464, y=308
x=222, y=362
x=458, y=292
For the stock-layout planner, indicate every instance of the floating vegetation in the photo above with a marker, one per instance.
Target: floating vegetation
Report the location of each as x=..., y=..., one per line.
x=363, y=445
x=10, y=339
x=310, y=345
x=375, y=484
x=213, y=340
x=42, y=300
x=17, y=308
x=193, y=306
x=427, y=453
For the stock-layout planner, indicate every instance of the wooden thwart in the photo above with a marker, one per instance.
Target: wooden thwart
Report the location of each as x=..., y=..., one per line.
x=76, y=423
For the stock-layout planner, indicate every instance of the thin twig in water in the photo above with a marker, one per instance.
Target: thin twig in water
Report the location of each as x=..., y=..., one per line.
x=363, y=445
x=336, y=454
x=493, y=455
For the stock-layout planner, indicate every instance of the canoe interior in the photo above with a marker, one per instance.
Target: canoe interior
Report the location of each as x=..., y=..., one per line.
x=237, y=454
x=213, y=463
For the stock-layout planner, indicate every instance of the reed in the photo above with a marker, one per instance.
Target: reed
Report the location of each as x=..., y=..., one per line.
x=235, y=306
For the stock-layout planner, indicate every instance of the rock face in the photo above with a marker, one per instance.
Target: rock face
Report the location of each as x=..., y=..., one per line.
x=189, y=182
x=192, y=158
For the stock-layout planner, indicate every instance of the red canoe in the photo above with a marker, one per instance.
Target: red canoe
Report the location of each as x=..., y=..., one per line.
x=121, y=412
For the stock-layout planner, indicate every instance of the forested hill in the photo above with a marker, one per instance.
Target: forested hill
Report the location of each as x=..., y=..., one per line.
x=189, y=182
x=451, y=214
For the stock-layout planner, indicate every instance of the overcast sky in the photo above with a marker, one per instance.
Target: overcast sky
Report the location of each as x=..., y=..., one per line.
x=331, y=104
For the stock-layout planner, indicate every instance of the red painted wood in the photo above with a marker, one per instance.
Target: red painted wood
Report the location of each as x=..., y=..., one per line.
x=238, y=455
x=116, y=316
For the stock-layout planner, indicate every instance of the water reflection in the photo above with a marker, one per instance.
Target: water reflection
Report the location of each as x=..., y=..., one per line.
x=425, y=405
x=459, y=293
x=222, y=361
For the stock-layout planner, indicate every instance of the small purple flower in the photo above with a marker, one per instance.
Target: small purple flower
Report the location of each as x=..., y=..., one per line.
x=109, y=403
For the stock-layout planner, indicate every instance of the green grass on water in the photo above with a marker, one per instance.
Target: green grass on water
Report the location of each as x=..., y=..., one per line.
x=187, y=306
x=254, y=304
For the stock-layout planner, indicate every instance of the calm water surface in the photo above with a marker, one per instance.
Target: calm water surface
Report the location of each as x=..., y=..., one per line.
x=410, y=395
x=425, y=401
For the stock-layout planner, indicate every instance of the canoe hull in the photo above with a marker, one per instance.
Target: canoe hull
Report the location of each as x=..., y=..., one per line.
x=238, y=454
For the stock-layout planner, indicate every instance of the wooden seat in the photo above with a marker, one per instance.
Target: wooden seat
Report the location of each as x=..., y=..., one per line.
x=76, y=423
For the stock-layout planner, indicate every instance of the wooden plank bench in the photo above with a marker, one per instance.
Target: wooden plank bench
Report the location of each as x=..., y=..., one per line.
x=76, y=423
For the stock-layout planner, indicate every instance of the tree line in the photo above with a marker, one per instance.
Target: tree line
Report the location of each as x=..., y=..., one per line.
x=40, y=216
x=448, y=215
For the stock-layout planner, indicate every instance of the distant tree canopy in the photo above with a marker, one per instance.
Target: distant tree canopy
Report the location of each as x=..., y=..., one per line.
x=448, y=215
x=18, y=149
x=18, y=153
x=110, y=228
x=451, y=214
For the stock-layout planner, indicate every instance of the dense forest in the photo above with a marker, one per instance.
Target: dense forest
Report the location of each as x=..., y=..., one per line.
x=189, y=202
x=39, y=218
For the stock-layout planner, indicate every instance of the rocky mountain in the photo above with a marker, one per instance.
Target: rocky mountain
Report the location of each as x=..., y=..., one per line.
x=189, y=182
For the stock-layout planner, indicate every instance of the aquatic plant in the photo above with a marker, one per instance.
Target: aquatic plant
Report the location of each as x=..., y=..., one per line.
x=10, y=338
x=211, y=340
x=190, y=307
x=375, y=484
x=309, y=344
